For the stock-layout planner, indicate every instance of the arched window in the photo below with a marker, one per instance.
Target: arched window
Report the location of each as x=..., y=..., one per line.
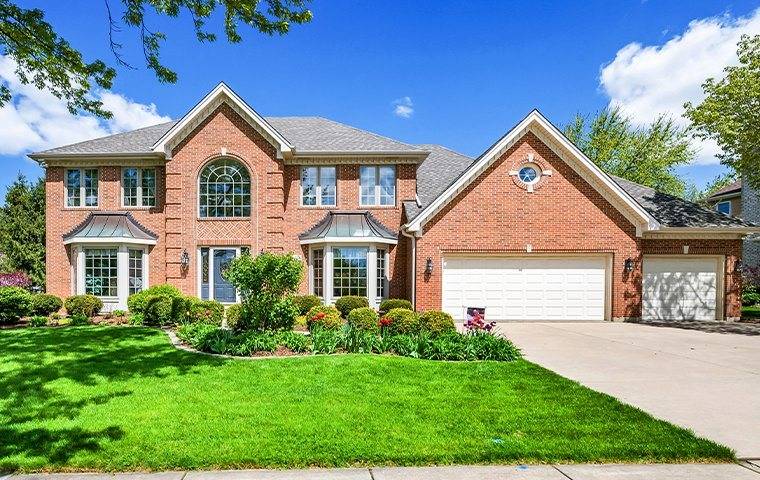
x=225, y=189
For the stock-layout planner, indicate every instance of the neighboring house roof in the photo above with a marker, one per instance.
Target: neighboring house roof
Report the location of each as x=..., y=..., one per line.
x=675, y=212
x=102, y=227
x=733, y=188
x=348, y=226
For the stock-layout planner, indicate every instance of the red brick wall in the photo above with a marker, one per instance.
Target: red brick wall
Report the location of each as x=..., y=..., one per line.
x=564, y=214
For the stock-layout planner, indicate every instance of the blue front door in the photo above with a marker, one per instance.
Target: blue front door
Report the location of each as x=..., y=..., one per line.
x=223, y=290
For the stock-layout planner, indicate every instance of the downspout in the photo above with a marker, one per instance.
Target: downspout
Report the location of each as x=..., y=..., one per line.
x=414, y=267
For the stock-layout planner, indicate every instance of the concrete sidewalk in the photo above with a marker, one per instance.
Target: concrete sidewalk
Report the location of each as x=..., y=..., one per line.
x=744, y=471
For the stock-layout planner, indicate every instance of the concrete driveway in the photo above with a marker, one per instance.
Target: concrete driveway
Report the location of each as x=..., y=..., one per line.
x=703, y=380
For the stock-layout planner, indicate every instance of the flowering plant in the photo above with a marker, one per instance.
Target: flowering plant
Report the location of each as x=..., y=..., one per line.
x=16, y=279
x=477, y=323
x=385, y=322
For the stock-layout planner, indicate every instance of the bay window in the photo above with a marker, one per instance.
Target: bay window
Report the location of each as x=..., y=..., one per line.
x=101, y=272
x=377, y=185
x=349, y=271
x=339, y=270
x=82, y=187
x=138, y=187
x=318, y=186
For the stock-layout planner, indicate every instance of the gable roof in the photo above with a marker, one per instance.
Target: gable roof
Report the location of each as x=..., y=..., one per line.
x=732, y=188
x=537, y=124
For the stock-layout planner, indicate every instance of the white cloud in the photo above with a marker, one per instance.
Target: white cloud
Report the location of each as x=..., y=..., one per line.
x=403, y=107
x=646, y=81
x=36, y=120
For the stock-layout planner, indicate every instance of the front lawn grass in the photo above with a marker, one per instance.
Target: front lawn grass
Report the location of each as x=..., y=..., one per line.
x=110, y=398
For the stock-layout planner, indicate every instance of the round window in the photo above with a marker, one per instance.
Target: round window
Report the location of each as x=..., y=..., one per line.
x=528, y=174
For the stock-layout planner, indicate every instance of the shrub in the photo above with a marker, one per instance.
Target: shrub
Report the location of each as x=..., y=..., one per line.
x=16, y=279
x=750, y=298
x=162, y=309
x=358, y=340
x=486, y=346
x=326, y=340
x=137, y=319
x=325, y=317
x=203, y=311
x=197, y=335
x=348, y=303
x=404, y=345
x=79, y=319
x=263, y=283
x=402, y=321
x=293, y=341
x=283, y=315
x=300, y=321
x=365, y=319
x=232, y=315
x=37, y=321
x=304, y=303
x=87, y=305
x=119, y=313
x=138, y=302
x=436, y=323
x=14, y=304
x=45, y=304
x=390, y=303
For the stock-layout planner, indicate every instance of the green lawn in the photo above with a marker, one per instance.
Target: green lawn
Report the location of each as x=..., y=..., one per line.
x=110, y=398
x=751, y=312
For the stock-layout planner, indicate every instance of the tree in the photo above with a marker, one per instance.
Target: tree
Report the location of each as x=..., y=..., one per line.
x=730, y=112
x=645, y=155
x=47, y=61
x=22, y=229
x=700, y=196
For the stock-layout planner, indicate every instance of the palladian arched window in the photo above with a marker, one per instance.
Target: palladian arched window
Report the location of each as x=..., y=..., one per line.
x=225, y=190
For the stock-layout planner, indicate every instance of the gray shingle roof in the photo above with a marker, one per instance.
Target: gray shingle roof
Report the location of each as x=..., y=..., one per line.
x=735, y=187
x=306, y=133
x=676, y=212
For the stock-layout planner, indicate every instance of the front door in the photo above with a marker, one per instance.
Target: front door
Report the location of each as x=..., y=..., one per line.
x=224, y=291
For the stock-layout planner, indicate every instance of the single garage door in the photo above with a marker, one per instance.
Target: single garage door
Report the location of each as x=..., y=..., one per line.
x=512, y=288
x=684, y=288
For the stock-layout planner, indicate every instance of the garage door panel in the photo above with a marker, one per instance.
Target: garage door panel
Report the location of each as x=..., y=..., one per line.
x=526, y=288
x=680, y=288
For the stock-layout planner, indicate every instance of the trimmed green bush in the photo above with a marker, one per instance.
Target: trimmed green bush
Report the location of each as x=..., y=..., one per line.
x=390, y=303
x=158, y=310
x=364, y=319
x=283, y=315
x=138, y=302
x=436, y=323
x=325, y=317
x=232, y=315
x=304, y=303
x=87, y=305
x=402, y=321
x=38, y=321
x=205, y=311
x=79, y=319
x=136, y=319
x=293, y=341
x=45, y=304
x=14, y=303
x=348, y=303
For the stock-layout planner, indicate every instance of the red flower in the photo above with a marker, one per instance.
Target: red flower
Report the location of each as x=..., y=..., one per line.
x=385, y=321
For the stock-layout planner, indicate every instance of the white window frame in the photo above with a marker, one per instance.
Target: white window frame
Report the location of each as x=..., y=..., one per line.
x=724, y=202
x=376, y=196
x=327, y=272
x=122, y=271
x=82, y=189
x=140, y=197
x=319, y=186
x=199, y=284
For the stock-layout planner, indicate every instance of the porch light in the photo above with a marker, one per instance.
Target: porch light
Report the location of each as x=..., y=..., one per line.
x=429, y=266
x=629, y=265
x=184, y=259
x=738, y=265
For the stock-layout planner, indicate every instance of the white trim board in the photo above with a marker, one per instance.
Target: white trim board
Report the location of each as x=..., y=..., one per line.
x=216, y=97
x=536, y=123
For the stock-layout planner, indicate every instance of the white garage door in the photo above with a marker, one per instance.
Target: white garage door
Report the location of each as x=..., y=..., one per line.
x=526, y=288
x=680, y=288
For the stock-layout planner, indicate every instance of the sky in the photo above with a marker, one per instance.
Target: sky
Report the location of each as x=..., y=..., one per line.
x=456, y=73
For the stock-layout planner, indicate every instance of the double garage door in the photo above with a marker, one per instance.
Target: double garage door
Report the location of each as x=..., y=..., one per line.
x=512, y=288
x=575, y=288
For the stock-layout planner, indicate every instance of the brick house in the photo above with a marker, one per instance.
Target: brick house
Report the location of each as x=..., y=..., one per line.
x=529, y=230
x=739, y=200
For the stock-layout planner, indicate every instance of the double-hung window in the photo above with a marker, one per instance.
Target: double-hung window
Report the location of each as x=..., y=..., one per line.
x=377, y=185
x=138, y=187
x=82, y=187
x=318, y=186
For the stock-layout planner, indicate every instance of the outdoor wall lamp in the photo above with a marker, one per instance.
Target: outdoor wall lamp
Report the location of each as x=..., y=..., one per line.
x=429, y=266
x=738, y=265
x=184, y=259
x=629, y=265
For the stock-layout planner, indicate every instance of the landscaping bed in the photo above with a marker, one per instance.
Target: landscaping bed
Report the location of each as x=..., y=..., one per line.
x=111, y=399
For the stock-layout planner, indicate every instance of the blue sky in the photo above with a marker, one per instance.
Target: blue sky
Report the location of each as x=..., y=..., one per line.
x=458, y=73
